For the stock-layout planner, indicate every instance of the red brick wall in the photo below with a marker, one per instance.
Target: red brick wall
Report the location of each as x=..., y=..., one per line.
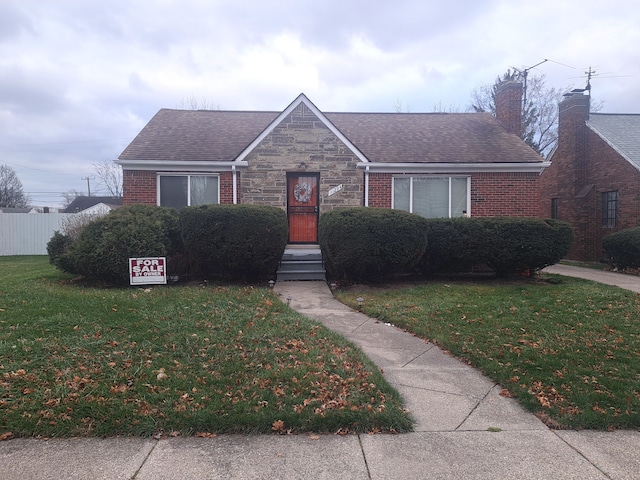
x=492, y=194
x=505, y=194
x=139, y=186
x=226, y=187
x=380, y=190
x=582, y=168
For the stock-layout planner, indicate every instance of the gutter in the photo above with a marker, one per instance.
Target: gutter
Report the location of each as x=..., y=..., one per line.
x=455, y=167
x=191, y=166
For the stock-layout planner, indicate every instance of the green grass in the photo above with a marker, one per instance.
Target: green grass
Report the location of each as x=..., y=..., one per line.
x=81, y=361
x=568, y=350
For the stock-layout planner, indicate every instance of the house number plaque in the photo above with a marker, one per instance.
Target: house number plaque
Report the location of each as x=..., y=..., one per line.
x=335, y=190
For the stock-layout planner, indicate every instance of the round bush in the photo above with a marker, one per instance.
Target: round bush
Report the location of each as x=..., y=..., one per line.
x=104, y=246
x=623, y=248
x=56, y=249
x=235, y=241
x=369, y=243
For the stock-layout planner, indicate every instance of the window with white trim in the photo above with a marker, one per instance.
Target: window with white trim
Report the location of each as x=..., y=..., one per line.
x=432, y=197
x=179, y=191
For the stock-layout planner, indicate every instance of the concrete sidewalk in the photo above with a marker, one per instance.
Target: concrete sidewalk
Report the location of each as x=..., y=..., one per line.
x=464, y=429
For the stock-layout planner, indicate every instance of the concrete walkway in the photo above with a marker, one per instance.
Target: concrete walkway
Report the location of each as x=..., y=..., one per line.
x=464, y=430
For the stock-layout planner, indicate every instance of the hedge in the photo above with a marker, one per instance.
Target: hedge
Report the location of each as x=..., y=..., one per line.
x=238, y=242
x=623, y=248
x=507, y=245
x=370, y=243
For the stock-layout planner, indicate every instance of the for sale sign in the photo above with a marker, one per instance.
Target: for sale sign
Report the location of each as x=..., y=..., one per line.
x=148, y=270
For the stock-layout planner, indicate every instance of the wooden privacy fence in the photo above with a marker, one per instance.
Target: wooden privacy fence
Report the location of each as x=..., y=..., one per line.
x=29, y=233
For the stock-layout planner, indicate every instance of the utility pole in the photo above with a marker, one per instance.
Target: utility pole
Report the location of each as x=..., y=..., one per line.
x=88, y=185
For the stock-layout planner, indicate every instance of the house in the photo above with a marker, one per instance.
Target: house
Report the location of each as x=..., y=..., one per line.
x=19, y=210
x=93, y=205
x=307, y=162
x=594, y=178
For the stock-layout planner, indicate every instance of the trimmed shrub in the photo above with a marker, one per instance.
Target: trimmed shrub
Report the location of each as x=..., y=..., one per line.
x=454, y=245
x=234, y=241
x=104, y=246
x=507, y=245
x=365, y=243
x=513, y=244
x=623, y=248
x=57, y=247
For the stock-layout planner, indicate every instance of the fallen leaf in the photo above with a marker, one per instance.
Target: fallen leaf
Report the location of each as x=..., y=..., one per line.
x=6, y=436
x=278, y=426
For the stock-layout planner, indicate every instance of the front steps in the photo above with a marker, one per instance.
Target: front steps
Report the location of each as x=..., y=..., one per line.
x=301, y=262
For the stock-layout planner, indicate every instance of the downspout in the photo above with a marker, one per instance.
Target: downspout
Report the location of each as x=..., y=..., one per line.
x=366, y=186
x=235, y=185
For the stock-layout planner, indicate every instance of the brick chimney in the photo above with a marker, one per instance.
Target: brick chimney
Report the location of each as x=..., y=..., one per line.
x=508, y=100
x=573, y=112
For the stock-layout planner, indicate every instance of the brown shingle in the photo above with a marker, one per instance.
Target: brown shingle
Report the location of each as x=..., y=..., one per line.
x=198, y=135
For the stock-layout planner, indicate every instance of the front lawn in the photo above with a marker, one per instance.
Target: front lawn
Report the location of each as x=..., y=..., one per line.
x=569, y=350
x=78, y=361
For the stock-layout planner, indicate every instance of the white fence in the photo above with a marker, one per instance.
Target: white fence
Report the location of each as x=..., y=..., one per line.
x=28, y=233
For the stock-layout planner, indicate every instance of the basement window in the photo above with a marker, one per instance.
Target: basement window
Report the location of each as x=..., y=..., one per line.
x=432, y=197
x=610, y=209
x=177, y=191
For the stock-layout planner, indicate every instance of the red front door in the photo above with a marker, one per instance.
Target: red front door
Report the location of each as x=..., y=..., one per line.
x=302, y=207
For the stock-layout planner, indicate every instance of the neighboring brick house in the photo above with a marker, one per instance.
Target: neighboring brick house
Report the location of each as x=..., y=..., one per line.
x=307, y=162
x=594, y=178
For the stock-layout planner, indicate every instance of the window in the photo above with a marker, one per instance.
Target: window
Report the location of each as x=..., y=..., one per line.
x=179, y=191
x=610, y=209
x=432, y=196
x=554, y=208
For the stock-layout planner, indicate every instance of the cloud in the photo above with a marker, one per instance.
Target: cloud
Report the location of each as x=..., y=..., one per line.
x=78, y=79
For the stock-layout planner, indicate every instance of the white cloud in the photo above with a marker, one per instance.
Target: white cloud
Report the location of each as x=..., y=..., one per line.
x=79, y=79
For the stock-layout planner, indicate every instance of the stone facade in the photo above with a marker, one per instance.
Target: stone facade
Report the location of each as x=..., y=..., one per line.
x=301, y=143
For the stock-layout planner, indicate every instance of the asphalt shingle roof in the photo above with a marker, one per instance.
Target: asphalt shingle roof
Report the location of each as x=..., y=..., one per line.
x=83, y=202
x=203, y=135
x=621, y=131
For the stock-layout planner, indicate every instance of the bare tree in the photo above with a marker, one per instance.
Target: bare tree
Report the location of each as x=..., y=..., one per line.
x=109, y=175
x=70, y=195
x=539, y=111
x=399, y=107
x=194, y=103
x=11, y=193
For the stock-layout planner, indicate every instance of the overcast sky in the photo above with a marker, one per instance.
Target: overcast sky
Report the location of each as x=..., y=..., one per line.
x=80, y=78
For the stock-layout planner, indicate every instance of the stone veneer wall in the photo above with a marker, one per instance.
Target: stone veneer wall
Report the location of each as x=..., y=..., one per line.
x=301, y=137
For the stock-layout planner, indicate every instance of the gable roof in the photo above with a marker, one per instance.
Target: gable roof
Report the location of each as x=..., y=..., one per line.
x=225, y=138
x=82, y=203
x=621, y=132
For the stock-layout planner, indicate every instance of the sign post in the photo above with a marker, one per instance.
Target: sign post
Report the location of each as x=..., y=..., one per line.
x=147, y=271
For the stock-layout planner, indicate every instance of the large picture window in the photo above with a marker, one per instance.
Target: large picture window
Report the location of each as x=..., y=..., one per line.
x=432, y=197
x=179, y=191
x=610, y=209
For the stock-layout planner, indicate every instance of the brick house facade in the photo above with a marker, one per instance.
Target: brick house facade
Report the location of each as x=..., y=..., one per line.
x=308, y=162
x=594, y=178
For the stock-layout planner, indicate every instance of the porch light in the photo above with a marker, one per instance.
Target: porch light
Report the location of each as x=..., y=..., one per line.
x=360, y=301
x=271, y=284
x=303, y=166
